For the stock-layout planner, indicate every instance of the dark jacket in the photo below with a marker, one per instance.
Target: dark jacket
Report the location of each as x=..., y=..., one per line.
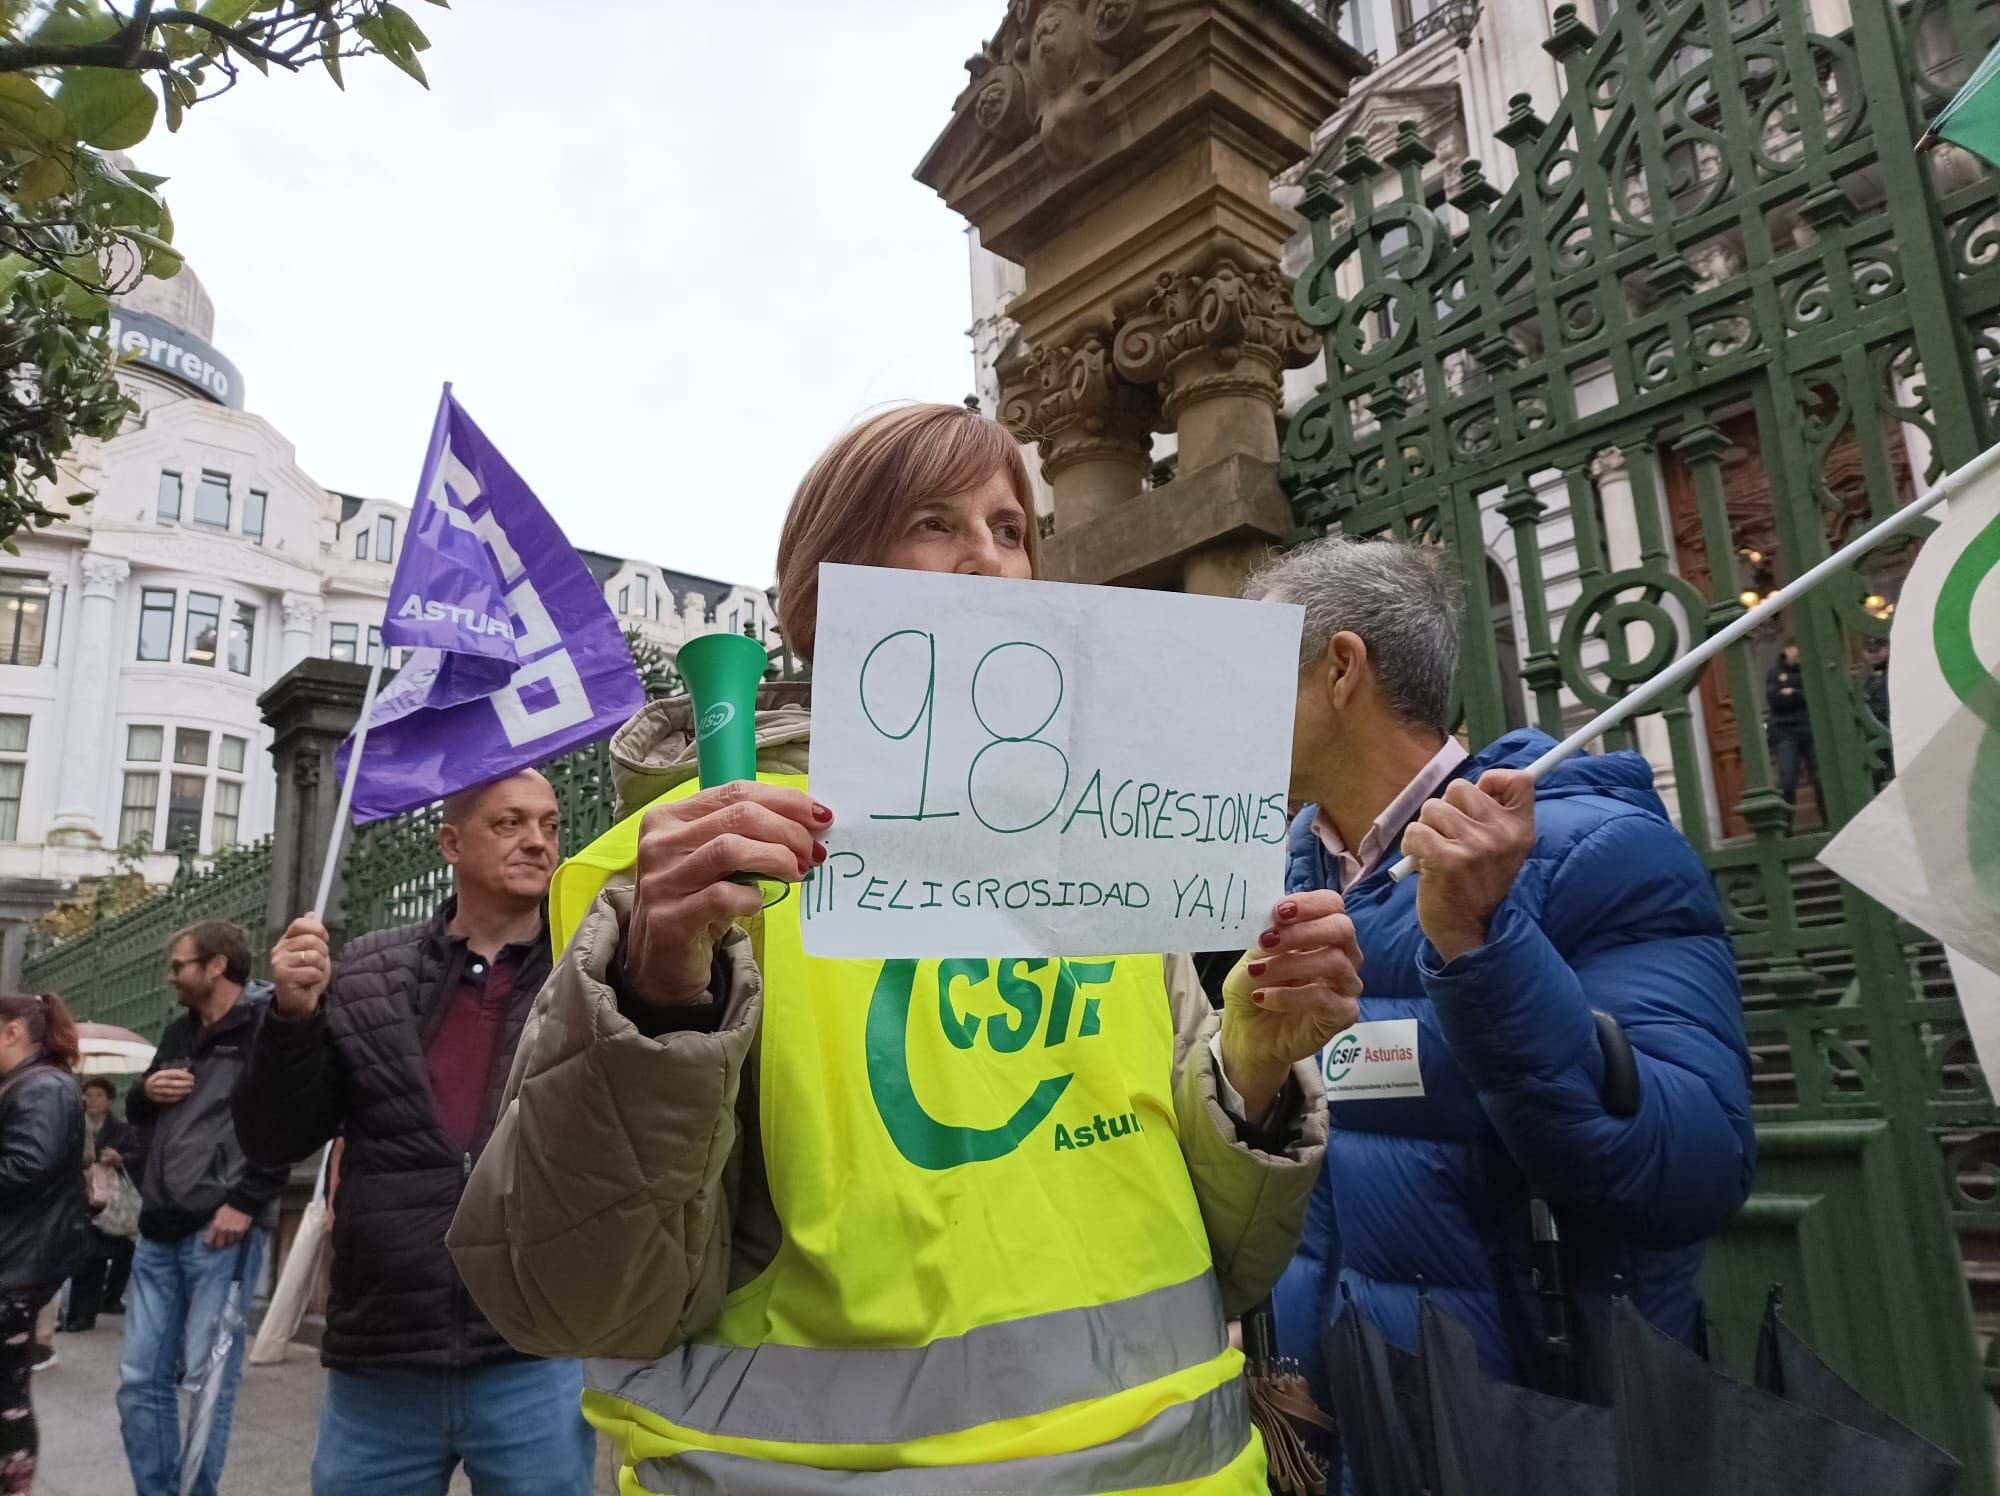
x=1429, y=1194
x=1788, y=711
x=42, y=1209
x=357, y=1068
x=193, y=1165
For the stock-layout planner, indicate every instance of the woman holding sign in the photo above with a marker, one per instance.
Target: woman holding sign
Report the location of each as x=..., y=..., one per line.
x=994, y=1236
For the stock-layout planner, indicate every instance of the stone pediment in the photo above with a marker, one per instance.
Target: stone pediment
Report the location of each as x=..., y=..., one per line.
x=1437, y=110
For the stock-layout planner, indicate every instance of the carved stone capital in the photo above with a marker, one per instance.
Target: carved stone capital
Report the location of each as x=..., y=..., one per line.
x=103, y=574
x=1609, y=463
x=305, y=767
x=1222, y=328
x=302, y=610
x=1042, y=75
x=1070, y=401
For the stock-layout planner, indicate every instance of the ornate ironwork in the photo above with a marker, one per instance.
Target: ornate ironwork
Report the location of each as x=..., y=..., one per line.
x=1721, y=317
x=116, y=971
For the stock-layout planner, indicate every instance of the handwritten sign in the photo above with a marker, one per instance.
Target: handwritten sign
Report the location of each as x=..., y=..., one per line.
x=1040, y=769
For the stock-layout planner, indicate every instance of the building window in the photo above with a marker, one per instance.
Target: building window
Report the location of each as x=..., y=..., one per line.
x=191, y=746
x=242, y=638
x=639, y=595
x=211, y=502
x=185, y=792
x=361, y=544
x=203, y=628
x=138, y=808
x=24, y=618
x=233, y=751
x=625, y=598
x=13, y=770
x=385, y=538
x=374, y=644
x=170, y=499
x=656, y=605
x=1357, y=27
x=253, y=515
x=144, y=744
x=344, y=635
x=156, y=624
x=225, y=830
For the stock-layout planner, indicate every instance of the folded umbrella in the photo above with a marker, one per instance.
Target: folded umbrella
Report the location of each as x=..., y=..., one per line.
x=205, y=1381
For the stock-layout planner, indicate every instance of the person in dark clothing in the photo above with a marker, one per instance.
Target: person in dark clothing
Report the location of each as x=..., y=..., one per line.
x=1875, y=695
x=403, y=1047
x=41, y=1203
x=205, y=1211
x=1789, y=731
x=99, y=1285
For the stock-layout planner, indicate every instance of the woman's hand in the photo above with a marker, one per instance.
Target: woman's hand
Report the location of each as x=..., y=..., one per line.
x=683, y=897
x=1289, y=996
x=109, y=1158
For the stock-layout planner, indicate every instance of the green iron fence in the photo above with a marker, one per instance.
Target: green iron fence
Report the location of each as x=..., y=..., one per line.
x=1722, y=317
x=116, y=972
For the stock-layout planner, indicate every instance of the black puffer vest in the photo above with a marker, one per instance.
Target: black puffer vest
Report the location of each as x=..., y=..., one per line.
x=397, y=1299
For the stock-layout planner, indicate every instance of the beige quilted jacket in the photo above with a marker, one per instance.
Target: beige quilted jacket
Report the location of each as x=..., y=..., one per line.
x=622, y=1196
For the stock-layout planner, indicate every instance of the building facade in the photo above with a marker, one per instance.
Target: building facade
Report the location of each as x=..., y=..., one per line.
x=137, y=634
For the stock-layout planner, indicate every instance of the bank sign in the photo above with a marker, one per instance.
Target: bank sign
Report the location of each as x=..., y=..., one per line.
x=165, y=349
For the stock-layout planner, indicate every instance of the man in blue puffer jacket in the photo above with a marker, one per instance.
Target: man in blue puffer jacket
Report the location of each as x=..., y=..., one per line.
x=1472, y=1082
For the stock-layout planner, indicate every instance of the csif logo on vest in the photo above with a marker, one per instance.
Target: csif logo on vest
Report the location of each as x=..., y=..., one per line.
x=1057, y=1019
x=714, y=720
x=1341, y=1055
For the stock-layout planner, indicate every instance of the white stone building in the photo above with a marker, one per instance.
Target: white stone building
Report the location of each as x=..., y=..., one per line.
x=137, y=634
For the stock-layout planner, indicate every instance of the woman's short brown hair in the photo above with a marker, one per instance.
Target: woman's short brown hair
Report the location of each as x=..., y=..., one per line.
x=850, y=500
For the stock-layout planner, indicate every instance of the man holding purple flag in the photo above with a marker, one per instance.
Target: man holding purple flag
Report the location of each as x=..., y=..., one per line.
x=403, y=1046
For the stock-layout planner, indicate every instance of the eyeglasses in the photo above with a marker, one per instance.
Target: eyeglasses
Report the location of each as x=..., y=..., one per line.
x=174, y=967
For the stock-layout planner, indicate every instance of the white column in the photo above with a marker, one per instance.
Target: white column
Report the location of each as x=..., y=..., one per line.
x=302, y=610
x=1623, y=549
x=80, y=788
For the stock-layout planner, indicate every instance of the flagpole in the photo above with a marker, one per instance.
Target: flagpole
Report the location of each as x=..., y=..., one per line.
x=1637, y=701
x=332, y=864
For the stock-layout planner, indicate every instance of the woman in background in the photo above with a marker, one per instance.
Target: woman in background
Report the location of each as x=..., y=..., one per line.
x=42, y=1215
x=99, y=1285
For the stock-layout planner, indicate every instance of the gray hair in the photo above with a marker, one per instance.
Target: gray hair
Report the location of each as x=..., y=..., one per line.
x=1403, y=601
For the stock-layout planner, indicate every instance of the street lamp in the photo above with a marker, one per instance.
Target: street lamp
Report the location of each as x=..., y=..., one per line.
x=1461, y=19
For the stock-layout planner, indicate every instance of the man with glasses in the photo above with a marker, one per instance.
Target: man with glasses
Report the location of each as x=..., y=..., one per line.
x=204, y=1209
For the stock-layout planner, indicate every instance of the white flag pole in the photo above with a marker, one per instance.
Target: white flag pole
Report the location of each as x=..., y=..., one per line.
x=1637, y=701
x=333, y=841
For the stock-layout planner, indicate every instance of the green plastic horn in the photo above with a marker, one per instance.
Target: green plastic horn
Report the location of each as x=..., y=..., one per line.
x=723, y=672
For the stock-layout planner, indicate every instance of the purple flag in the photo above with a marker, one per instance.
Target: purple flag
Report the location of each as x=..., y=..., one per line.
x=516, y=658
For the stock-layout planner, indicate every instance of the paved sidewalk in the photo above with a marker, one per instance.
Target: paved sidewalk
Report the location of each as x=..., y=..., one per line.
x=270, y=1446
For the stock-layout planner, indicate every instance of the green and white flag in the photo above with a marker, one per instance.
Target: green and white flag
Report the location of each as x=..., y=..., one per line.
x=1972, y=118
x=1928, y=847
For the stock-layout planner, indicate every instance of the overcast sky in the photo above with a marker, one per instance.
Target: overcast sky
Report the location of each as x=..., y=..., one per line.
x=665, y=250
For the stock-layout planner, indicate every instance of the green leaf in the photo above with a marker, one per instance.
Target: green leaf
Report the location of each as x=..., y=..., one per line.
x=12, y=268
x=48, y=177
x=329, y=53
x=73, y=24
x=29, y=118
x=382, y=33
x=228, y=12
x=162, y=259
x=406, y=31
x=107, y=107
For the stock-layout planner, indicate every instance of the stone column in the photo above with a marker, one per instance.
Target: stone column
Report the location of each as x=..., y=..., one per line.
x=80, y=786
x=1625, y=551
x=1094, y=429
x=309, y=710
x=302, y=610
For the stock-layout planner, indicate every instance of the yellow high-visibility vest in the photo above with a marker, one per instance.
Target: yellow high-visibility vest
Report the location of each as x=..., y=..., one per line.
x=993, y=1277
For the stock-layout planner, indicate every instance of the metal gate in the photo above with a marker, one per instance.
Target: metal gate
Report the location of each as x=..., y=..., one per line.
x=1723, y=317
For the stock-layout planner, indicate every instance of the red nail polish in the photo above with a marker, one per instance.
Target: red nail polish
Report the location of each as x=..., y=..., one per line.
x=819, y=853
x=1287, y=909
x=1257, y=998
x=821, y=813
x=1256, y=968
x=1268, y=940
x=804, y=867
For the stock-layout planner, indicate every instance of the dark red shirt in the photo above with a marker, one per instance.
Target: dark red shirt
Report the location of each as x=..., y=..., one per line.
x=461, y=1052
